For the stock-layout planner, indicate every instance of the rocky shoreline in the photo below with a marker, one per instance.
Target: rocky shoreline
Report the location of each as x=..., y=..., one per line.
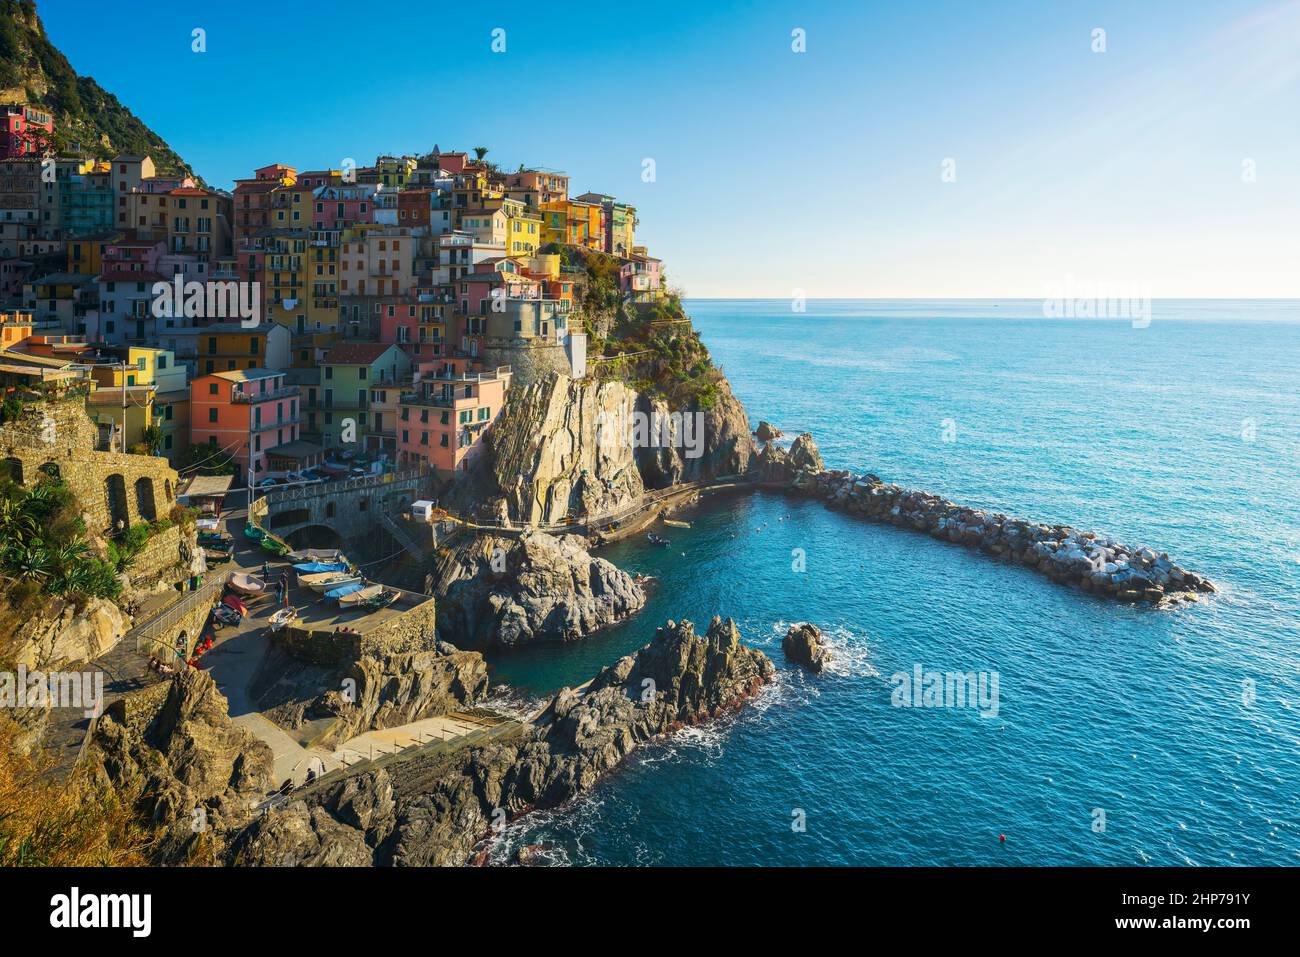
x=437, y=808
x=1068, y=556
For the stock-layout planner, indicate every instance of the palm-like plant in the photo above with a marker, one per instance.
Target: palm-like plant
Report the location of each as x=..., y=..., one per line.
x=480, y=152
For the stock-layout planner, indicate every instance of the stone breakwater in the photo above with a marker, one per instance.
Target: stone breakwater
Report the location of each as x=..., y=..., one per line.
x=1068, y=556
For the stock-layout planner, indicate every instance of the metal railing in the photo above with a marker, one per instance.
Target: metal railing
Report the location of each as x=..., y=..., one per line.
x=146, y=633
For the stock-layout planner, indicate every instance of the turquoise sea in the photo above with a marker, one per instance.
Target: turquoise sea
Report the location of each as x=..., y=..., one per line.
x=1181, y=727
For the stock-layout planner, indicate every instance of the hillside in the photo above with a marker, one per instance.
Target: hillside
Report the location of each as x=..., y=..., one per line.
x=88, y=120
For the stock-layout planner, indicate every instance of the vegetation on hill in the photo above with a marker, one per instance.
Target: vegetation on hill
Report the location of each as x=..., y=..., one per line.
x=43, y=547
x=651, y=346
x=72, y=823
x=88, y=120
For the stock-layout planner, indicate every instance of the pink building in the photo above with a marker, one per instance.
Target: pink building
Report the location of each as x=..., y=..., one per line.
x=441, y=422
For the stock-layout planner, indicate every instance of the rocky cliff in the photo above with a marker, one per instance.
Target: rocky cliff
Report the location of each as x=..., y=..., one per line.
x=586, y=449
x=435, y=807
x=174, y=750
x=509, y=591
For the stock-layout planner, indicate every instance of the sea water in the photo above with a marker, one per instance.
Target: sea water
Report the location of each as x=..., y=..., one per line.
x=1123, y=735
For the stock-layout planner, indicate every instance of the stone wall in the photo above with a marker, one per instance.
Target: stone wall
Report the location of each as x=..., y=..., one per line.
x=112, y=487
x=412, y=631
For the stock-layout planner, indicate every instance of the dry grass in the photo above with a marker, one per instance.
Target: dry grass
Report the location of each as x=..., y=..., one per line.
x=71, y=823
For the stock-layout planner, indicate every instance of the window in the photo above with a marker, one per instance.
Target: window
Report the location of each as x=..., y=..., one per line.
x=212, y=387
x=212, y=414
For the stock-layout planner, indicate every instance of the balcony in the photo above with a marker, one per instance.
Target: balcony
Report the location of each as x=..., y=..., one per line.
x=248, y=398
x=270, y=426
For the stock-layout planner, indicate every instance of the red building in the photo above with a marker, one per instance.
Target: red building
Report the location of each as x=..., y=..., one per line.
x=24, y=131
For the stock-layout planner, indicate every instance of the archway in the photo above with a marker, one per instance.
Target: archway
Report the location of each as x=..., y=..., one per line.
x=144, y=503
x=294, y=516
x=51, y=470
x=115, y=497
x=15, y=469
x=315, y=536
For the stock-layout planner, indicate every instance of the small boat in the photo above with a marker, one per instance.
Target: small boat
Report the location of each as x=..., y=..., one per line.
x=215, y=539
x=233, y=601
x=253, y=531
x=385, y=598
x=283, y=617
x=654, y=539
x=352, y=596
x=676, y=524
x=247, y=584
x=274, y=545
x=216, y=556
x=312, y=568
x=322, y=582
x=330, y=556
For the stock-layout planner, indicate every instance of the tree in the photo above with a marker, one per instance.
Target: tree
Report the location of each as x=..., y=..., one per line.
x=480, y=152
x=153, y=438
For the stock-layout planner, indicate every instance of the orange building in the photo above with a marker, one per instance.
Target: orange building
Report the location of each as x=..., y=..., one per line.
x=246, y=413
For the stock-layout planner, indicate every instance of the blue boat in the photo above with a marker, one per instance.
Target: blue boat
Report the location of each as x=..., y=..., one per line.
x=344, y=590
x=309, y=568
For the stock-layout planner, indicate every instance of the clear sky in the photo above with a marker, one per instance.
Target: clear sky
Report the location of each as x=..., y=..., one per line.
x=774, y=170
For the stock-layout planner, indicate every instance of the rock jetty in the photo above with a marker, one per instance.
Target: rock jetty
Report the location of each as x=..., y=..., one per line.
x=803, y=645
x=1096, y=563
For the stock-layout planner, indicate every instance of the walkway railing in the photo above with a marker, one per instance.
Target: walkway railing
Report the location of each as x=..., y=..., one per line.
x=146, y=633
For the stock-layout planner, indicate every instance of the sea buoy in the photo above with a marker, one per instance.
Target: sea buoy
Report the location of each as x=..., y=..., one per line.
x=1002, y=838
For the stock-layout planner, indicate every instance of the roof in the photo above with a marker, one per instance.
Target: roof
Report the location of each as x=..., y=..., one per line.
x=297, y=449
x=202, y=486
x=356, y=353
x=237, y=327
x=246, y=375
x=126, y=275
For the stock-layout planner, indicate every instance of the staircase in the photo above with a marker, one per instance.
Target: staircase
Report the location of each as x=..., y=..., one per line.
x=401, y=535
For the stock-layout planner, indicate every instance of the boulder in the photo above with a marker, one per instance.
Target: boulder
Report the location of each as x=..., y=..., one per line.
x=766, y=432
x=803, y=645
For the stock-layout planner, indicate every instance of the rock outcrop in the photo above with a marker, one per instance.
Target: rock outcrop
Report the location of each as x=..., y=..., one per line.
x=435, y=807
x=1068, y=556
x=588, y=449
x=803, y=645
x=396, y=689
x=779, y=466
x=175, y=751
x=65, y=633
x=767, y=432
x=510, y=591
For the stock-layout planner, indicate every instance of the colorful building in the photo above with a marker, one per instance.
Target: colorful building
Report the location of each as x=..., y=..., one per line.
x=24, y=130
x=245, y=413
x=441, y=421
x=349, y=372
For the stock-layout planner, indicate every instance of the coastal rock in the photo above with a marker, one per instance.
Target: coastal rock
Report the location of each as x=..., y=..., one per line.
x=766, y=432
x=444, y=804
x=396, y=689
x=173, y=749
x=65, y=633
x=537, y=587
x=803, y=645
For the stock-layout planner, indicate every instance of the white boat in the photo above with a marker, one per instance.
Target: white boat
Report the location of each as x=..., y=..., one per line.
x=360, y=597
x=321, y=582
x=283, y=617
x=328, y=556
x=247, y=584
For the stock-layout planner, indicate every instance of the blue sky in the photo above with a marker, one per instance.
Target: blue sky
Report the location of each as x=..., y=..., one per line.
x=777, y=171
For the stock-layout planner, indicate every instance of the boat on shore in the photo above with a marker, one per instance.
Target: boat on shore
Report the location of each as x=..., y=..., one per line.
x=676, y=523
x=321, y=582
x=330, y=556
x=283, y=617
x=357, y=598
x=247, y=584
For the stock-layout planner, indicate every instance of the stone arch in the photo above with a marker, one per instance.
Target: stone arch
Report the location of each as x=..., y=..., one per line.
x=315, y=536
x=51, y=469
x=145, y=506
x=294, y=516
x=14, y=466
x=115, y=498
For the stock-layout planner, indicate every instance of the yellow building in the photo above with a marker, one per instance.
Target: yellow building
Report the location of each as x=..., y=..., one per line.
x=126, y=412
x=523, y=235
